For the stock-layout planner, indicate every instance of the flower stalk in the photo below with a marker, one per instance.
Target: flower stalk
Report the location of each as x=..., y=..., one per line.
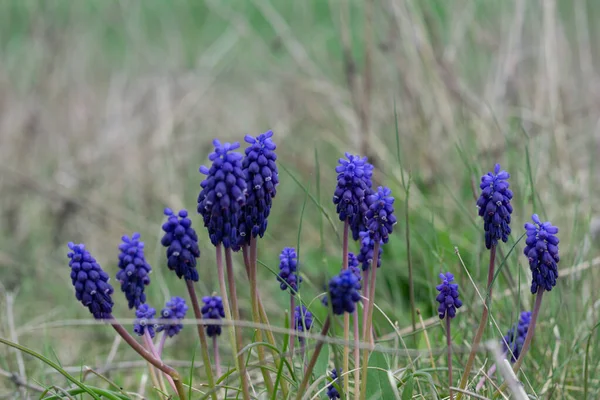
x=313, y=360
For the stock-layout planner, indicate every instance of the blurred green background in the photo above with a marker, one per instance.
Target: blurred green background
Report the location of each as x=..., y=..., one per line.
x=108, y=108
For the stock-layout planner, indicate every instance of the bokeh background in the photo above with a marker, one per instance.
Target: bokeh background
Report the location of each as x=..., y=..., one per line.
x=108, y=108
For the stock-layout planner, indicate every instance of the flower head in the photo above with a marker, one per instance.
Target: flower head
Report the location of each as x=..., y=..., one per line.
x=134, y=270
x=332, y=392
x=353, y=265
x=380, y=218
x=303, y=320
x=90, y=281
x=515, y=336
x=448, y=297
x=542, y=251
x=144, y=316
x=213, y=309
x=174, y=310
x=262, y=178
x=223, y=194
x=367, y=245
x=494, y=206
x=288, y=265
x=343, y=292
x=181, y=242
x=353, y=186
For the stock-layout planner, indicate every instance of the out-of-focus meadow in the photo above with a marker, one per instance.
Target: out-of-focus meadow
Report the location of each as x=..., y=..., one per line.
x=107, y=109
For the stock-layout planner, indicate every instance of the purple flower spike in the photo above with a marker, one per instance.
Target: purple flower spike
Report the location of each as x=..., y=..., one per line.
x=303, y=320
x=380, y=218
x=343, y=292
x=174, y=310
x=542, y=252
x=332, y=392
x=144, y=316
x=516, y=336
x=213, y=309
x=134, y=270
x=223, y=194
x=354, y=265
x=367, y=245
x=494, y=206
x=181, y=242
x=288, y=266
x=448, y=297
x=90, y=281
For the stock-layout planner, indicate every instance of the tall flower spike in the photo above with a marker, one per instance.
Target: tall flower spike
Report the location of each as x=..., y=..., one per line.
x=515, y=336
x=332, y=392
x=353, y=186
x=144, y=316
x=494, y=206
x=542, y=251
x=380, y=218
x=181, y=242
x=367, y=245
x=223, y=194
x=343, y=292
x=262, y=177
x=288, y=266
x=174, y=311
x=213, y=309
x=303, y=320
x=90, y=281
x=134, y=270
x=448, y=297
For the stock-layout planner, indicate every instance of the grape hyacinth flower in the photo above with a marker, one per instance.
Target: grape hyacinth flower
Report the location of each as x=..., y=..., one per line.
x=303, y=320
x=494, y=206
x=343, y=292
x=213, y=309
x=354, y=265
x=515, y=337
x=542, y=252
x=448, y=297
x=90, y=281
x=367, y=245
x=181, y=242
x=332, y=391
x=288, y=265
x=174, y=311
x=134, y=270
x=144, y=316
x=380, y=218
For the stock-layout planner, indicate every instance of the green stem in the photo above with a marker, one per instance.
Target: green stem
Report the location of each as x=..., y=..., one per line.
x=313, y=359
x=449, y=344
x=346, y=360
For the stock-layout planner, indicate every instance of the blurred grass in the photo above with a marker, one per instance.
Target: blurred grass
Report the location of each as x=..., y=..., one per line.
x=107, y=109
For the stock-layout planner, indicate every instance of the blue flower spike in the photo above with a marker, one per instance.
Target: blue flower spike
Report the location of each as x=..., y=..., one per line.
x=448, y=296
x=494, y=206
x=542, y=252
x=134, y=271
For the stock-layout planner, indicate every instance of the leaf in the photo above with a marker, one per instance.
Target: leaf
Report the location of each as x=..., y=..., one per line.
x=320, y=368
x=378, y=383
x=407, y=392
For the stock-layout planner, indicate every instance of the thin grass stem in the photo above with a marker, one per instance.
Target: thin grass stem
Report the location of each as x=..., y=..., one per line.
x=449, y=344
x=313, y=359
x=346, y=360
x=217, y=356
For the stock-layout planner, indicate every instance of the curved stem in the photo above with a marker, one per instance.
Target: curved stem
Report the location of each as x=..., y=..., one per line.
x=161, y=344
x=449, y=344
x=313, y=359
x=482, y=324
x=150, y=346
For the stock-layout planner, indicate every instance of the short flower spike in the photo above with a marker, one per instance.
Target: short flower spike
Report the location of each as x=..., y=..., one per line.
x=288, y=266
x=332, y=392
x=380, y=218
x=144, y=316
x=448, y=297
x=174, y=310
x=354, y=265
x=343, y=292
x=494, y=206
x=134, y=270
x=90, y=281
x=303, y=320
x=213, y=309
x=181, y=242
x=542, y=251
x=367, y=245
x=515, y=336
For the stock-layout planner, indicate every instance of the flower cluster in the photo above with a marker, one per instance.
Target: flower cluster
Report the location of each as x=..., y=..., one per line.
x=134, y=270
x=380, y=218
x=494, y=206
x=515, y=336
x=332, y=392
x=288, y=265
x=448, y=297
x=223, y=194
x=303, y=320
x=542, y=251
x=90, y=281
x=353, y=265
x=367, y=245
x=343, y=292
x=181, y=242
x=262, y=178
x=213, y=309
x=144, y=316
x=174, y=310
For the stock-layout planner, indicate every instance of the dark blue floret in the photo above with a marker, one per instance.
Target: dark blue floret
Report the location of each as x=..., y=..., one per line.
x=262, y=177
x=448, y=297
x=134, y=270
x=380, y=218
x=223, y=194
x=343, y=292
x=367, y=245
x=181, y=242
x=288, y=265
x=332, y=392
x=353, y=186
x=354, y=265
x=303, y=320
x=494, y=206
x=174, y=310
x=90, y=281
x=542, y=252
x=515, y=336
x=144, y=320
x=213, y=309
